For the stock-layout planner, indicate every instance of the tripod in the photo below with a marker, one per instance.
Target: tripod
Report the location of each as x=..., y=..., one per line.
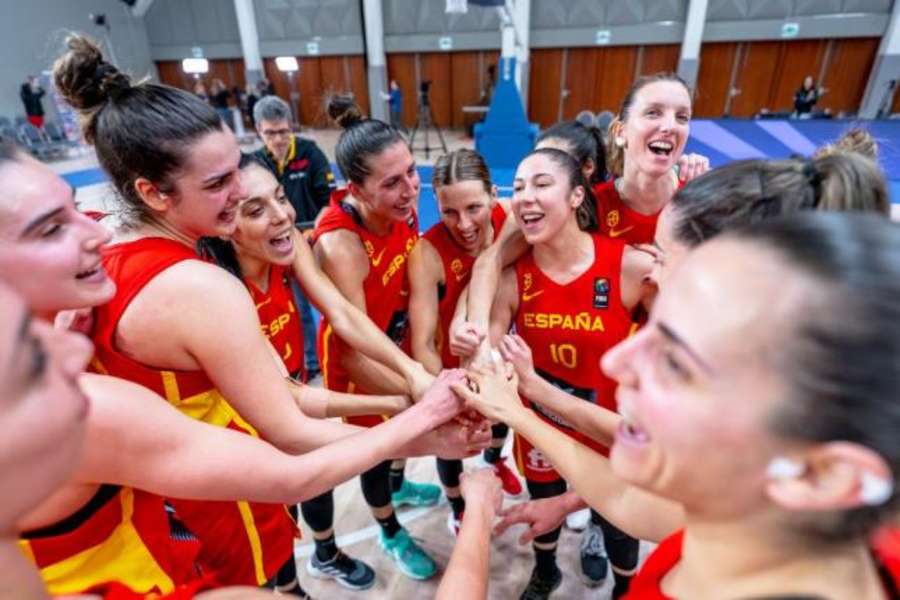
x=425, y=121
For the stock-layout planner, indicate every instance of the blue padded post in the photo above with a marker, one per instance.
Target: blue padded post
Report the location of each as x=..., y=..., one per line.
x=505, y=136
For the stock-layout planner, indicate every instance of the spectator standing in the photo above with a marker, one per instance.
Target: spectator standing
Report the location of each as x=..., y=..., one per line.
x=806, y=97
x=265, y=88
x=31, y=94
x=252, y=97
x=219, y=96
x=394, y=98
x=305, y=174
x=200, y=90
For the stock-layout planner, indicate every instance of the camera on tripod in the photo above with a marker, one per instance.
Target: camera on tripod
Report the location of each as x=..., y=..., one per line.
x=424, y=89
x=425, y=120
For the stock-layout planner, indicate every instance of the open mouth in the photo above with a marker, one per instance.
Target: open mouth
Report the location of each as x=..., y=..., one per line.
x=531, y=220
x=633, y=433
x=661, y=148
x=629, y=430
x=283, y=243
x=468, y=238
x=93, y=273
x=228, y=214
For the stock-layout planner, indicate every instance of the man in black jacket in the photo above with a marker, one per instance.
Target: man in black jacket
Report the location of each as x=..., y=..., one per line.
x=304, y=172
x=298, y=163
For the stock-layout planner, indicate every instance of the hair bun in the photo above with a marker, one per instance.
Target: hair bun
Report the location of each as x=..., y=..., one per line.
x=343, y=110
x=110, y=81
x=856, y=140
x=83, y=78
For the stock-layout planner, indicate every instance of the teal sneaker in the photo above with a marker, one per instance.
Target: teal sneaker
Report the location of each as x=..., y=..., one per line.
x=416, y=494
x=411, y=560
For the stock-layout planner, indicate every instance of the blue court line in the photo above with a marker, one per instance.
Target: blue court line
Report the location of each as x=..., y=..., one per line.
x=713, y=134
x=749, y=131
x=787, y=135
x=716, y=158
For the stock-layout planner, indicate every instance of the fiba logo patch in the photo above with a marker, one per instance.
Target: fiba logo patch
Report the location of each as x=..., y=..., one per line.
x=370, y=249
x=526, y=282
x=456, y=266
x=601, y=293
x=612, y=219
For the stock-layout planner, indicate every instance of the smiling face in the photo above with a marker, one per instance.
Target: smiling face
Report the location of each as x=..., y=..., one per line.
x=49, y=251
x=657, y=127
x=466, y=212
x=544, y=200
x=42, y=410
x=208, y=188
x=265, y=219
x=391, y=189
x=698, y=383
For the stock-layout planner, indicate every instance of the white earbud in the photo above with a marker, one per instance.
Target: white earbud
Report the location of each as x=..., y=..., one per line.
x=875, y=490
x=620, y=142
x=782, y=467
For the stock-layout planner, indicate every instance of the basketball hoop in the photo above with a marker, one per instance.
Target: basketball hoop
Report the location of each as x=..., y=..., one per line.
x=460, y=7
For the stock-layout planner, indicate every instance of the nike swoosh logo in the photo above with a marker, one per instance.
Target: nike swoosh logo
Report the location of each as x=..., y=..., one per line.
x=527, y=297
x=263, y=303
x=377, y=261
x=462, y=276
x=614, y=233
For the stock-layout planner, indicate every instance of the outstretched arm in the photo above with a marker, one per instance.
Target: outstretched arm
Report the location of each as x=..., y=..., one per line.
x=325, y=404
x=541, y=516
x=135, y=438
x=479, y=295
x=338, y=290
x=425, y=269
x=595, y=421
x=221, y=337
x=467, y=573
x=636, y=512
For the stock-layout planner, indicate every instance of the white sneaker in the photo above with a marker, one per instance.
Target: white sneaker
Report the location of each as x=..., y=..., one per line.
x=453, y=524
x=578, y=520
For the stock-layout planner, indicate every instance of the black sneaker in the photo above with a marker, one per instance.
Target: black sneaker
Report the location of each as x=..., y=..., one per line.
x=540, y=589
x=293, y=589
x=594, y=564
x=349, y=572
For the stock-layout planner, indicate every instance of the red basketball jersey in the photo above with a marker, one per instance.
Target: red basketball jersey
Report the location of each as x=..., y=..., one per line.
x=386, y=289
x=617, y=220
x=457, y=263
x=120, y=533
x=569, y=328
x=279, y=319
x=241, y=543
x=647, y=584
